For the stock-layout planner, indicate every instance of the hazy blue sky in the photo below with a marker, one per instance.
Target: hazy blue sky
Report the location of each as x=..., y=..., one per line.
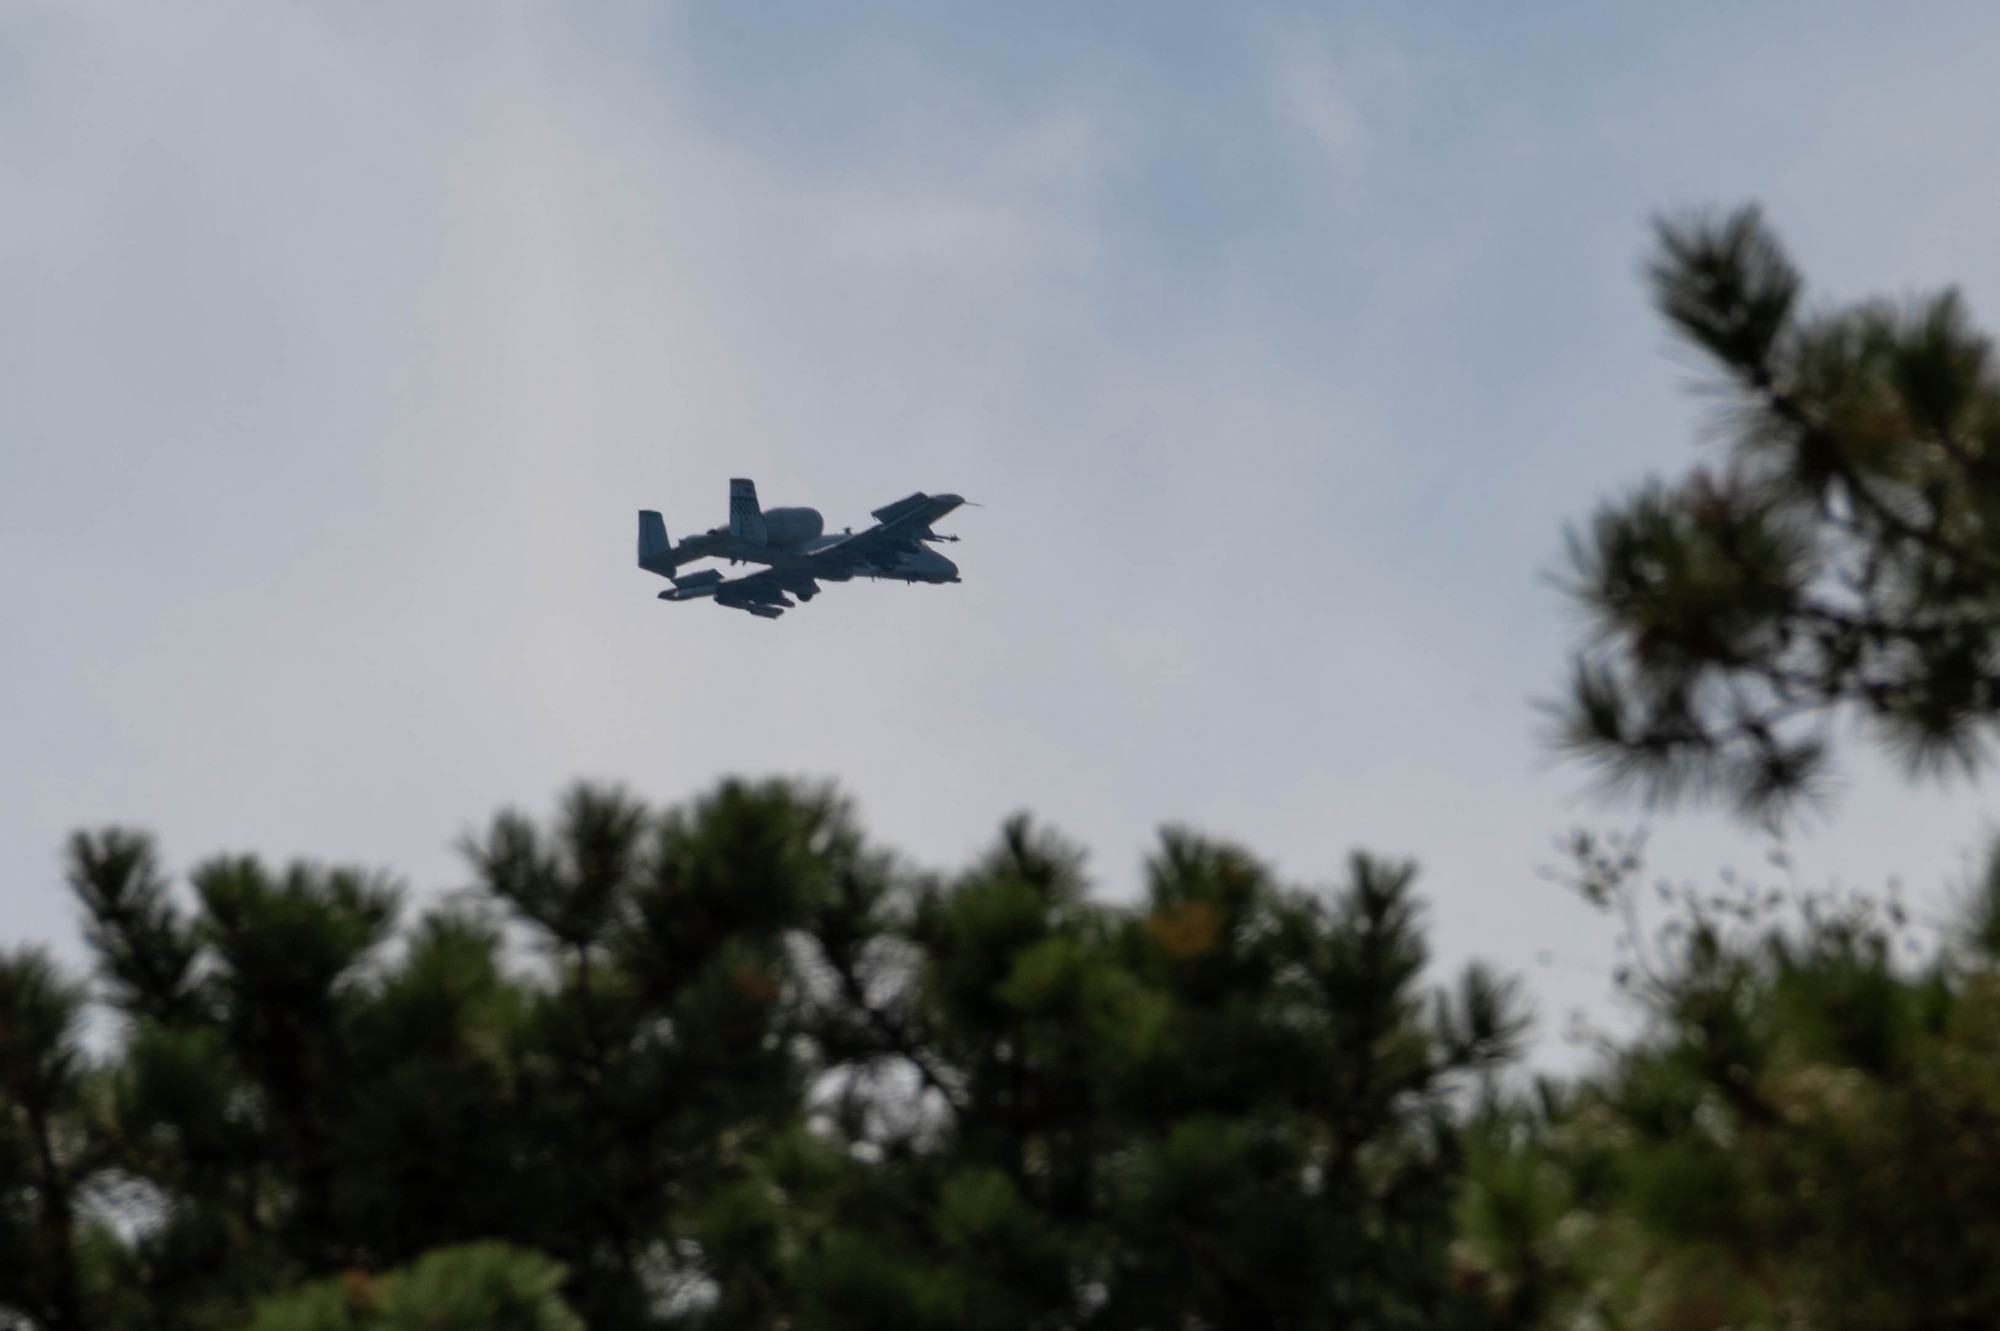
x=338, y=345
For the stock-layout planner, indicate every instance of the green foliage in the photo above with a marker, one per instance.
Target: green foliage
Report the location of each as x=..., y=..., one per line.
x=750, y=1072
x=478, y=1287
x=145, y=949
x=1805, y=1133
x=1844, y=560
x=1226, y=1107
x=47, y=1147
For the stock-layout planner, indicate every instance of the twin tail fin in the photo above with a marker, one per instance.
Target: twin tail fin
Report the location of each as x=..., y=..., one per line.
x=746, y=519
x=656, y=552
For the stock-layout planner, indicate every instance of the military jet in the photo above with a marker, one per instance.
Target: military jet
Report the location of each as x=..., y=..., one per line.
x=796, y=552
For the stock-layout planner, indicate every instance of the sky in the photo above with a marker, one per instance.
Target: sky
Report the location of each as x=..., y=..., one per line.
x=339, y=344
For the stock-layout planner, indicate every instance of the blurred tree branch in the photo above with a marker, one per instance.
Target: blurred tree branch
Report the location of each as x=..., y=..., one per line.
x=1843, y=560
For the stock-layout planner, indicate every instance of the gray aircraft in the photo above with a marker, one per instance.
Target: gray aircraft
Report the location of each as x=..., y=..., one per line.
x=796, y=552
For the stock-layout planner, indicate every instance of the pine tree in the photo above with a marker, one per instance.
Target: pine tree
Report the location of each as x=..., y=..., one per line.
x=659, y=1066
x=48, y=1148
x=749, y=1071
x=477, y=1287
x=1843, y=560
x=1805, y=1132
x=1228, y=1107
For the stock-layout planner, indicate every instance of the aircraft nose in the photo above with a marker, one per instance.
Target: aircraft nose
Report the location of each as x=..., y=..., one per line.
x=950, y=499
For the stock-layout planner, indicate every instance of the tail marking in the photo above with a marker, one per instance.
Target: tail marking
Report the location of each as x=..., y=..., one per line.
x=746, y=519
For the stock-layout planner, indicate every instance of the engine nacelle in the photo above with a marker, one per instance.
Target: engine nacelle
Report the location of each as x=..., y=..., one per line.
x=789, y=526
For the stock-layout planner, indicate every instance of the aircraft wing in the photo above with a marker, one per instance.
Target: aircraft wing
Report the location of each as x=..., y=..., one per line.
x=900, y=528
x=762, y=594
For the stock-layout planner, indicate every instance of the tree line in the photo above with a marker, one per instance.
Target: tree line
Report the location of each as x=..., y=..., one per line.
x=730, y=1064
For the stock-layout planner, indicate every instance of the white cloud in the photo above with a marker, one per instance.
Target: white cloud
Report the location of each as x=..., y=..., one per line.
x=1344, y=93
